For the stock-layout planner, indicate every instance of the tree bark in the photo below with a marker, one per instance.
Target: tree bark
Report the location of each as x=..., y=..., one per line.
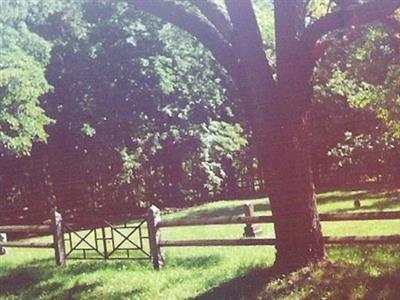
x=172, y=171
x=291, y=191
x=292, y=196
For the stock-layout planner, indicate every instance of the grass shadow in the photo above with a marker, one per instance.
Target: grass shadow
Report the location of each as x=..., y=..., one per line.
x=386, y=286
x=197, y=262
x=380, y=205
x=225, y=211
x=372, y=187
x=363, y=195
x=244, y=287
x=19, y=280
x=42, y=279
x=358, y=272
x=76, y=291
x=99, y=265
x=22, y=278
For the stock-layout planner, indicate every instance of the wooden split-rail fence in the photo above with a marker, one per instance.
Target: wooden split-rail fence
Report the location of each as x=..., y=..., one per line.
x=55, y=229
x=156, y=243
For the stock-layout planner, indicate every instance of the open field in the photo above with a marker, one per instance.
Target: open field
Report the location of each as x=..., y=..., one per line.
x=357, y=272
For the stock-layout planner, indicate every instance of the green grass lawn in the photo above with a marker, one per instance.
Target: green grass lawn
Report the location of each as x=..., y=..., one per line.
x=358, y=272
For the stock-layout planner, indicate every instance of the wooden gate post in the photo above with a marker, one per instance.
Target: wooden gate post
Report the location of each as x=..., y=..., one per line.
x=250, y=230
x=153, y=218
x=58, y=237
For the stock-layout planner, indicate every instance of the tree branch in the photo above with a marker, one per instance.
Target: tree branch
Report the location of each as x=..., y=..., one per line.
x=255, y=81
x=205, y=33
x=211, y=11
x=353, y=15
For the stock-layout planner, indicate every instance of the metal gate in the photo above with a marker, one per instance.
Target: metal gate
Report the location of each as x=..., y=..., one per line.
x=127, y=240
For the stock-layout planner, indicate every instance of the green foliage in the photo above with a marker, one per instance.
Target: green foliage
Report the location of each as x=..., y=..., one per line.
x=219, y=139
x=132, y=98
x=265, y=17
x=22, y=119
x=318, y=8
x=23, y=59
x=361, y=150
x=366, y=73
x=355, y=106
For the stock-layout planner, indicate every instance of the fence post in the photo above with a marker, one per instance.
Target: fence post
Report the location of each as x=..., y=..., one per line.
x=153, y=218
x=250, y=230
x=58, y=237
x=3, y=238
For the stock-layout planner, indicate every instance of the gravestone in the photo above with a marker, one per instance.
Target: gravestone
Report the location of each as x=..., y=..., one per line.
x=250, y=230
x=3, y=238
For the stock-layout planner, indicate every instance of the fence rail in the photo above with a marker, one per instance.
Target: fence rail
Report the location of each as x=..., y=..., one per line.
x=269, y=219
x=390, y=215
x=389, y=239
x=351, y=240
x=222, y=242
x=26, y=228
x=26, y=245
x=216, y=221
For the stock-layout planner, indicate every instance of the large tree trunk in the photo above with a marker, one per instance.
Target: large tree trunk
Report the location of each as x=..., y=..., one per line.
x=292, y=196
x=288, y=165
x=281, y=131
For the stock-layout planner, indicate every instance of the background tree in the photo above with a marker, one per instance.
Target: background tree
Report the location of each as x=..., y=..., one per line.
x=138, y=120
x=355, y=97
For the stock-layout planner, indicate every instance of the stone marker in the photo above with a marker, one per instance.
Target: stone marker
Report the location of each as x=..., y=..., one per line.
x=250, y=230
x=3, y=238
